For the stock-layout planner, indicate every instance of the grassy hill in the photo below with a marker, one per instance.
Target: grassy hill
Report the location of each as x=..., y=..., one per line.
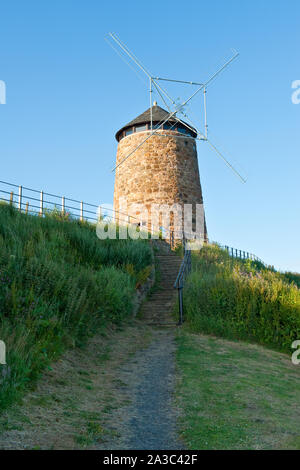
x=236, y=395
x=58, y=284
x=241, y=299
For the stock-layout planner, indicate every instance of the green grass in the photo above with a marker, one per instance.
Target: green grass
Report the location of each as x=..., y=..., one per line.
x=58, y=285
x=292, y=278
x=243, y=300
x=235, y=395
x=93, y=432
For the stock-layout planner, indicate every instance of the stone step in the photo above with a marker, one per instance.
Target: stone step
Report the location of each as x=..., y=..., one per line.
x=171, y=259
x=166, y=274
x=168, y=259
x=158, y=305
x=169, y=268
x=163, y=294
x=167, y=286
x=169, y=277
x=169, y=272
x=164, y=264
x=162, y=299
x=167, y=255
x=169, y=265
x=158, y=308
x=167, y=290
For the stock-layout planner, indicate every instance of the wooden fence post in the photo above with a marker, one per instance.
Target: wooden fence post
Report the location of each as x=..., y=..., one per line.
x=63, y=204
x=27, y=205
x=11, y=199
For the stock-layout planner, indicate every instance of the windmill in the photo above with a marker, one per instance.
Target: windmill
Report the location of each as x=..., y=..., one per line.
x=153, y=82
x=158, y=120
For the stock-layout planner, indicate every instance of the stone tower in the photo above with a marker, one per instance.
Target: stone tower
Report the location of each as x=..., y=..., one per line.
x=163, y=170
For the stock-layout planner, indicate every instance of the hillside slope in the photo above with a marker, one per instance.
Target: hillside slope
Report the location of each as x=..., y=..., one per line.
x=58, y=284
x=241, y=299
x=235, y=395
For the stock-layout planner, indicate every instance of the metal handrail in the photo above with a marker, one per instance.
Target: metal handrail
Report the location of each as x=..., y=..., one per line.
x=184, y=270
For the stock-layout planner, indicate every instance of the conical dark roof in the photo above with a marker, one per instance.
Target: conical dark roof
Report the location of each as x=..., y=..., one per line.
x=158, y=115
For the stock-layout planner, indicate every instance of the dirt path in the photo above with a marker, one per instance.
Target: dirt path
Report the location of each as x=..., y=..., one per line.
x=149, y=421
x=72, y=404
x=153, y=419
x=116, y=393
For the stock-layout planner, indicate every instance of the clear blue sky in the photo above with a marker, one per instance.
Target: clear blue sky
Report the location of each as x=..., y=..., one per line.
x=68, y=92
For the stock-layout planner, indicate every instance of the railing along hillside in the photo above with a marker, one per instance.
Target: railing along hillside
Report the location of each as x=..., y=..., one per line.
x=184, y=270
x=186, y=266
x=35, y=202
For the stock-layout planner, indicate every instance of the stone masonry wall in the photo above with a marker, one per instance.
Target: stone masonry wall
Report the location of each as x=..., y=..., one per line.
x=164, y=170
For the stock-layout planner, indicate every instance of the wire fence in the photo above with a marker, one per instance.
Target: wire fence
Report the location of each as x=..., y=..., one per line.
x=236, y=253
x=186, y=266
x=35, y=202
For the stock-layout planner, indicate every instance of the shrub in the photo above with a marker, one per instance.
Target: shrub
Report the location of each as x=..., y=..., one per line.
x=242, y=300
